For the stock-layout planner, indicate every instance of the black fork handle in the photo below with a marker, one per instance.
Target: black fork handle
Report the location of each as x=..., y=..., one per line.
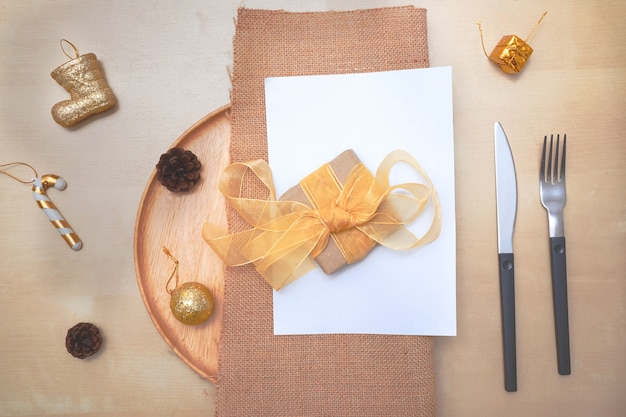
x=559, y=293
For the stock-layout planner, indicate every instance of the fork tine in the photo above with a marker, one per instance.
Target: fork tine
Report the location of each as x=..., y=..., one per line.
x=550, y=178
x=542, y=172
x=562, y=172
x=555, y=174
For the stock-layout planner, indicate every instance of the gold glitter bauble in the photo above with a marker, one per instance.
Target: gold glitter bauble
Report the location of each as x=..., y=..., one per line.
x=192, y=303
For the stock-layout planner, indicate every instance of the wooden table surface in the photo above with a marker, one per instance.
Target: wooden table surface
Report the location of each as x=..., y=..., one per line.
x=167, y=62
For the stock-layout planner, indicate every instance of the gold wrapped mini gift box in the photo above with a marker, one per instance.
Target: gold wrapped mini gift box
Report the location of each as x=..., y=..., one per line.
x=511, y=53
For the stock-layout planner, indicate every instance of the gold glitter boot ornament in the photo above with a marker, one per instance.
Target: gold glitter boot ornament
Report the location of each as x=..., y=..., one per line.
x=90, y=94
x=511, y=53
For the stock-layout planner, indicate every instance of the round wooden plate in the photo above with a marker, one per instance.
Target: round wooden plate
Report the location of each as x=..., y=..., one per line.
x=175, y=220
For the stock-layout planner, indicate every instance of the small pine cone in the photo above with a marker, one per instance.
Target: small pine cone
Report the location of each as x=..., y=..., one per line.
x=83, y=340
x=178, y=170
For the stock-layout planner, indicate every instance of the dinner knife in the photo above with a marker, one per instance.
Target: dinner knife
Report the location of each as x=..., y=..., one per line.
x=506, y=208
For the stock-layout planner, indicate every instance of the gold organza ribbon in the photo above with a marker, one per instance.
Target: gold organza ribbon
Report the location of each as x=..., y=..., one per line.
x=287, y=235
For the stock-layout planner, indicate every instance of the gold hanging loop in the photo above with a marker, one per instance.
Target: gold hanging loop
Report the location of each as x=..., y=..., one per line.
x=174, y=274
x=10, y=164
x=482, y=41
x=532, y=32
x=72, y=45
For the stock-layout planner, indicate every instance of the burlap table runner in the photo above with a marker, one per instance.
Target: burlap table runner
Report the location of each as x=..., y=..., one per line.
x=317, y=375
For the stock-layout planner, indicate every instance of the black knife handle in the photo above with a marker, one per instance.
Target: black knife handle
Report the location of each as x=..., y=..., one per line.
x=507, y=301
x=559, y=293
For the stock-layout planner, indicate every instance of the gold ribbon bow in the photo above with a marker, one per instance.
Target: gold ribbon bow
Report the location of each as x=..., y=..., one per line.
x=287, y=235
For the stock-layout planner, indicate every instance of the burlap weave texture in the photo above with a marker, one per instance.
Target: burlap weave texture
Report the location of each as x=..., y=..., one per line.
x=317, y=375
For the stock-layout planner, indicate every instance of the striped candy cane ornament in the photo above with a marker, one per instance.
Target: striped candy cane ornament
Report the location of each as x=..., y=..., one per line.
x=40, y=185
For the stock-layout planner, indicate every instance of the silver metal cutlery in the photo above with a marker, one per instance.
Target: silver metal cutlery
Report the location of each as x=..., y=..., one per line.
x=553, y=198
x=506, y=209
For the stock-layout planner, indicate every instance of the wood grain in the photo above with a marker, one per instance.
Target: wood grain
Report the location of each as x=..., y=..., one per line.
x=175, y=220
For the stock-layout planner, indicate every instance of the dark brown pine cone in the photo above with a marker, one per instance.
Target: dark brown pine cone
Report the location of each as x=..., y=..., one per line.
x=178, y=170
x=83, y=340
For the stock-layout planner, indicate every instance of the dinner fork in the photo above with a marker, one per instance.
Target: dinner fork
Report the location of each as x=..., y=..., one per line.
x=552, y=192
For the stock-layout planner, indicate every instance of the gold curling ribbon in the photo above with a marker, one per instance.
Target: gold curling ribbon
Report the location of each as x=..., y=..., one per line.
x=287, y=235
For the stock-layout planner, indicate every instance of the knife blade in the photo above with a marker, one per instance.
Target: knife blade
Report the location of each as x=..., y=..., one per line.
x=506, y=209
